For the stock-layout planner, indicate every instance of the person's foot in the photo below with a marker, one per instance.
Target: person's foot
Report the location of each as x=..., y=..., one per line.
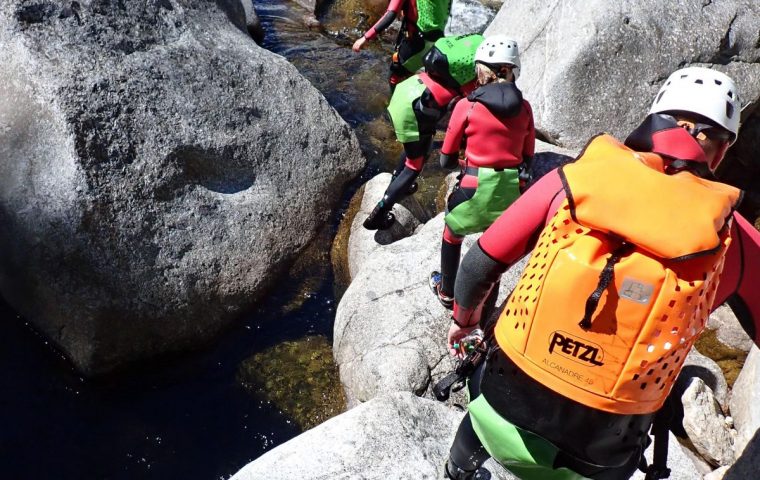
x=456, y=473
x=379, y=219
x=435, y=286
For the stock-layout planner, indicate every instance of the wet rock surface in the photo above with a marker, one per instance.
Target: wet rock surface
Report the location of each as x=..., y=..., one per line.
x=589, y=67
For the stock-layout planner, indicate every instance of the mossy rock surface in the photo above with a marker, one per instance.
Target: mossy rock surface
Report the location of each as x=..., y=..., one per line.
x=299, y=377
x=311, y=267
x=729, y=359
x=339, y=250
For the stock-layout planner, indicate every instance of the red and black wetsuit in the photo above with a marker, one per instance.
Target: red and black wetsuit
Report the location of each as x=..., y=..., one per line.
x=428, y=109
x=495, y=126
x=411, y=41
x=407, y=8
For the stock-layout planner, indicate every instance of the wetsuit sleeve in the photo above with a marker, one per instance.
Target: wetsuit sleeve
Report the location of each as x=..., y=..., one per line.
x=455, y=131
x=741, y=275
x=394, y=8
x=512, y=236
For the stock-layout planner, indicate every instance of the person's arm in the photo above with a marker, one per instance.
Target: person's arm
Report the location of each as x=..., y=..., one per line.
x=510, y=237
x=394, y=8
x=454, y=132
x=529, y=145
x=741, y=277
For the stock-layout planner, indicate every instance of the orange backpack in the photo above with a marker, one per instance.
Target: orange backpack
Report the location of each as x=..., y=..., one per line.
x=621, y=281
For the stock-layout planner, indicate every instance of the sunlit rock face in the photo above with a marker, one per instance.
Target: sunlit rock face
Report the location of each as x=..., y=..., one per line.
x=596, y=65
x=157, y=170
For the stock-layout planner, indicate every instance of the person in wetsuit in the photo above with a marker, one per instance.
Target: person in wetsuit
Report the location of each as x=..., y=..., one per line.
x=526, y=424
x=417, y=104
x=423, y=22
x=494, y=125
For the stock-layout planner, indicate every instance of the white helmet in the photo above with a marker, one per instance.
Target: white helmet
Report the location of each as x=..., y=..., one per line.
x=703, y=91
x=499, y=50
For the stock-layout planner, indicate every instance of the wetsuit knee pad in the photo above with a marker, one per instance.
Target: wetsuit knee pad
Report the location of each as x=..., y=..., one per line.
x=450, y=237
x=415, y=163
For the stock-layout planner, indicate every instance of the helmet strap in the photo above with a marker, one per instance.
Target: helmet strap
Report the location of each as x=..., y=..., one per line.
x=719, y=156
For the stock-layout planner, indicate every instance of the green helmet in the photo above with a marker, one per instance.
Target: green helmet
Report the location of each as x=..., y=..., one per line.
x=451, y=61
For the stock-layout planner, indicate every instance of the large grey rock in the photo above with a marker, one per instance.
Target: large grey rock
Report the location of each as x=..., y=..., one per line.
x=728, y=329
x=592, y=66
x=745, y=398
x=395, y=435
x=158, y=170
x=717, y=474
x=390, y=330
x=362, y=242
x=699, y=366
x=706, y=425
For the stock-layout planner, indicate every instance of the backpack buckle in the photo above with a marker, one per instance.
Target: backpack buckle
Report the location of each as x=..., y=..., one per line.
x=656, y=473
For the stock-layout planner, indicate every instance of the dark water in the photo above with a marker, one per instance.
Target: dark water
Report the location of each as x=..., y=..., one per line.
x=182, y=417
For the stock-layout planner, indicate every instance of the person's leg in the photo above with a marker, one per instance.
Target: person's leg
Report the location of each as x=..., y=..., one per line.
x=451, y=249
x=467, y=454
x=415, y=153
x=405, y=62
x=400, y=168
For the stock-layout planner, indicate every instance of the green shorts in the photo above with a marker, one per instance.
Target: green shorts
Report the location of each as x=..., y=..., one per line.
x=496, y=191
x=523, y=453
x=401, y=109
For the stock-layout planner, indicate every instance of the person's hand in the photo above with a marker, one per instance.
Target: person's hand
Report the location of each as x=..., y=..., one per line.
x=456, y=333
x=358, y=44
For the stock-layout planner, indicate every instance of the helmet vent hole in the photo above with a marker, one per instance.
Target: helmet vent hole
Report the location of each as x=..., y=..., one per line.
x=659, y=96
x=699, y=81
x=730, y=94
x=718, y=82
x=729, y=110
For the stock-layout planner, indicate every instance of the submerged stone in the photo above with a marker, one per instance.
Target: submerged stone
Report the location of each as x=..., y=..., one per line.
x=729, y=359
x=299, y=377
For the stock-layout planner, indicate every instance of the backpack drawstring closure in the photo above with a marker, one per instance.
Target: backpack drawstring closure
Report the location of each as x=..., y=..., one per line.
x=605, y=277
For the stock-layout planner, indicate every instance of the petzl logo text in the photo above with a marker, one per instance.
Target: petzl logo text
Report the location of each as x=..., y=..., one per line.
x=581, y=351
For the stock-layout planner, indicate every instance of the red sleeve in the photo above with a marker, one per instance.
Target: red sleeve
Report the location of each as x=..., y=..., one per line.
x=741, y=276
x=512, y=235
x=394, y=8
x=454, y=132
x=529, y=147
